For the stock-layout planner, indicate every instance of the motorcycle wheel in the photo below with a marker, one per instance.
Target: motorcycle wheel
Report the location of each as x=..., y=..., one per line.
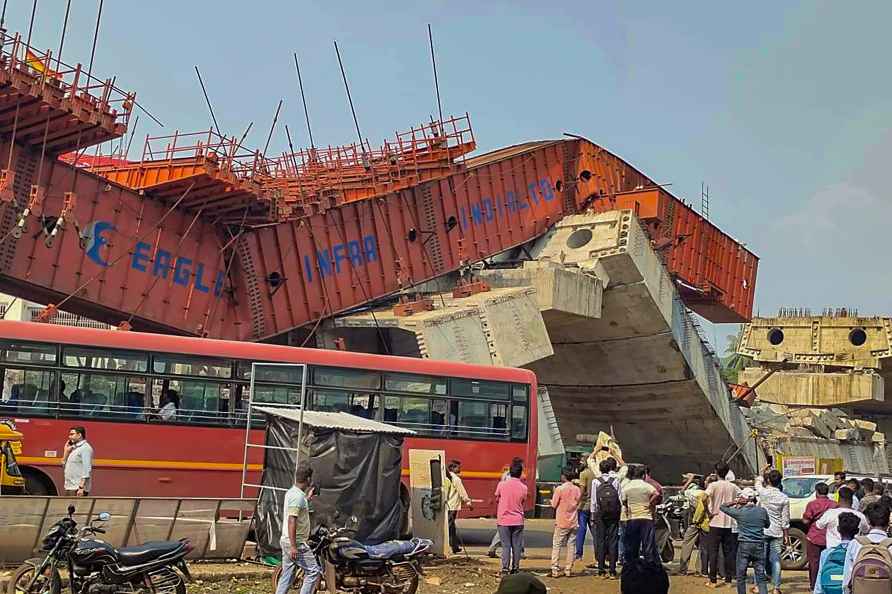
x=405, y=575
x=50, y=582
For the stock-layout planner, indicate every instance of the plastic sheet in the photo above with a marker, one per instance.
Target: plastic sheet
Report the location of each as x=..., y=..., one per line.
x=355, y=473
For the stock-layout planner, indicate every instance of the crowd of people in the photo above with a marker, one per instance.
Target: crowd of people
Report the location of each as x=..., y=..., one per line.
x=740, y=532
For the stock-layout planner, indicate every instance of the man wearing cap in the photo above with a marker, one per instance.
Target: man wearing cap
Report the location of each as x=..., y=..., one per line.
x=751, y=524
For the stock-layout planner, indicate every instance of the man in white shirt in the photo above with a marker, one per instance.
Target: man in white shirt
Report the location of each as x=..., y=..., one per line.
x=773, y=501
x=830, y=518
x=456, y=496
x=77, y=461
x=719, y=493
x=296, y=550
x=878, y=519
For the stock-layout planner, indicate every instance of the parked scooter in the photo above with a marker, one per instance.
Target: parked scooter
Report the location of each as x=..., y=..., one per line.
x=95, y=567
x=393, y=567
x=671, y=520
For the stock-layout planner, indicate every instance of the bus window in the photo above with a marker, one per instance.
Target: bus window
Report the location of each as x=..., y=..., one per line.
x=274, y=373
x=29, y=353
x=498, y=414
x=422, y=384
x=103, y=395
x=331, y=401
x=194, y=401
x=29, y=391
x=520, y=393
x=346, y=378
x=465, y=388
x=195, y=366
x=415, y=412
x=109, y=359
x=439, y=414
x=264, y=394
x=518, y=422
x=473, y=419
x=364, y=405
x=391, y=409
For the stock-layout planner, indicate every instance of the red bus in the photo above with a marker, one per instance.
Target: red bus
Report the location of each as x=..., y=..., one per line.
x=111, y=383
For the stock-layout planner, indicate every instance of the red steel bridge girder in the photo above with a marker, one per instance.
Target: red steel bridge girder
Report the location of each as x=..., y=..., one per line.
x=277, y=277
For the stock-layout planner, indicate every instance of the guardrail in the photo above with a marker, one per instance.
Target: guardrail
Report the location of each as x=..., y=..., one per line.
x=217, y=528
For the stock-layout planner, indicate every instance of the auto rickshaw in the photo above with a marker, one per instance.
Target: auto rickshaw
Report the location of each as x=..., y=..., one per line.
x=11, y=479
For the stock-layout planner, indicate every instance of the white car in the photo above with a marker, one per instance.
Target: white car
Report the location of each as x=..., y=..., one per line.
x=801, y=489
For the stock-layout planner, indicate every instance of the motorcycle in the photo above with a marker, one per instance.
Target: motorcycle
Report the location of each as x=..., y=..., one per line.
x=95, y=567
x=671, y=523
x=393, y=567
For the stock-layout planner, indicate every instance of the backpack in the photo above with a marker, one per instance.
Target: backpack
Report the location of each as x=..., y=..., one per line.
x=608, y=500
x=831, y=570
x=872, y=570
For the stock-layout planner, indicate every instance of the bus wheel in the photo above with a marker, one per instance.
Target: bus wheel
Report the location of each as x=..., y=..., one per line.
x=37, y=483
x=406, y=517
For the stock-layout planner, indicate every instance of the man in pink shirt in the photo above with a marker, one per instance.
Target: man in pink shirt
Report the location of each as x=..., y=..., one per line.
x=565, y=501
x=511, y=495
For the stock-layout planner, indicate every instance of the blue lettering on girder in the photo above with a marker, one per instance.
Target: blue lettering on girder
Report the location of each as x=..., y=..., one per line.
x=340, y=256
x=492, y=208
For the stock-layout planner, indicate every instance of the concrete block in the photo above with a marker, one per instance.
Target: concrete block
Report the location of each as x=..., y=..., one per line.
x=816, y=423
x=866, y=425
x=847, y=435
x=878, y=437
x=816, y=389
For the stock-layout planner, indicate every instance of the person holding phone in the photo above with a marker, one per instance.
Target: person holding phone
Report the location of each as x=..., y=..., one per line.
x=77, y=460
x=296, y=552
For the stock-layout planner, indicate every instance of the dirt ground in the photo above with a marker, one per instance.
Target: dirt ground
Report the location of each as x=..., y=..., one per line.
x=477, y=575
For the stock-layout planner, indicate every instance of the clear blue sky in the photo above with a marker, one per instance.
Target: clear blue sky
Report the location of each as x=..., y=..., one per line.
x=783, y=108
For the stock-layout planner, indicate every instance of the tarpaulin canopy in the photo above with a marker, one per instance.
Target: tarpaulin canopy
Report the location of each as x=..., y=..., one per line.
x=356, y=470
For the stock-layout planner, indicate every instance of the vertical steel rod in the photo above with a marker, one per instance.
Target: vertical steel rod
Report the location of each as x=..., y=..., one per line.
x=430, y=37
x=349, y=98
x=303, y=98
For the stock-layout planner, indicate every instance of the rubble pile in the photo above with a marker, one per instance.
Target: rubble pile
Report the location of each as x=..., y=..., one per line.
x=779, y=421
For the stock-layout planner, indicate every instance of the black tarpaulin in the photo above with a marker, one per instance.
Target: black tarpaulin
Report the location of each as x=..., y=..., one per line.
x=356, y=469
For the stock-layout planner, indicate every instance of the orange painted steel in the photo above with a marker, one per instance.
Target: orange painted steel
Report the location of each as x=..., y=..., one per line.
x=316, y=179
x=716, y=274
x=44, y=101
x=177, y=272
x=225, y=179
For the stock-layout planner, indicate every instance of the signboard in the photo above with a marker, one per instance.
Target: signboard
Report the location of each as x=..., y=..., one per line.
x=795, y=465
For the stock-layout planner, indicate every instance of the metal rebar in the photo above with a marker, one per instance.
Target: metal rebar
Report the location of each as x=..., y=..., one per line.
x=430, y=37
x=272, y=128
x=95, y=38
x=62, y=39
x=303, y=98
x=349, y=98
x=31, y=25
x=208, y=101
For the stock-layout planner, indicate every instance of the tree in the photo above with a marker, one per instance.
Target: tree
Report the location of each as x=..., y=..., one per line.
x=732, y=362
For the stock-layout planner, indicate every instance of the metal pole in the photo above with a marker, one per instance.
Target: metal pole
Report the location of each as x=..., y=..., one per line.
x=95, y=37
x=208, y=101
x=31, y=25
x=272, y=128
x=430, y=37
x=300, y=425
x=304, y=99
x=62, y=39
x=349, y=98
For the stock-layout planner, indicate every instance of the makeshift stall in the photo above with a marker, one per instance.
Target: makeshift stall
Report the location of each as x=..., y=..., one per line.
x=356, y=471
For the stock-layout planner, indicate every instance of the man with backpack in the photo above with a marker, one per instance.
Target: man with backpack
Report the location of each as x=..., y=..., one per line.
x=868, y=564
x=832, y=564
x=605, y=510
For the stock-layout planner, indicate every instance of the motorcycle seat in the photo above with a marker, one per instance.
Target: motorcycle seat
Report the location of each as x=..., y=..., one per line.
x=147, y=551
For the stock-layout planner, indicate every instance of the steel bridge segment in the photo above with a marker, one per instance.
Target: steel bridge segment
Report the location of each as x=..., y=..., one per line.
x=290, y=273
